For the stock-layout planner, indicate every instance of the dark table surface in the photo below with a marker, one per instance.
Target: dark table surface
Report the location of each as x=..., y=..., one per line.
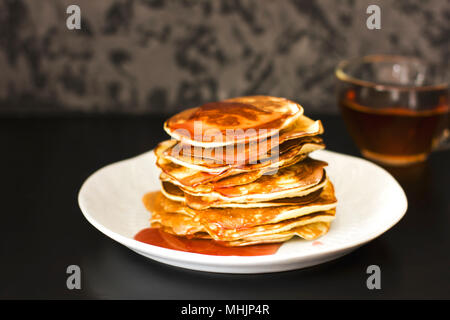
x=44, y=161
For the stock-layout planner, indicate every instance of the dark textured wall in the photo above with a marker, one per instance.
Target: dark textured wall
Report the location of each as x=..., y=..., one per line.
x=160, y=55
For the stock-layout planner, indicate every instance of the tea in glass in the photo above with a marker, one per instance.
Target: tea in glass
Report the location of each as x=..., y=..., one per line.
x=395, y=108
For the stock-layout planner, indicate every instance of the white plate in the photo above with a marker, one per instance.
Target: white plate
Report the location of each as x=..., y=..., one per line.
x=370, y=202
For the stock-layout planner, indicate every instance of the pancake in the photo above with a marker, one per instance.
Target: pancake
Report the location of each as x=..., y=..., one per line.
x=245, y=153
x=174, y=193
x=183, y=225
x=269, y=230
x=272, y=200
x=293, y=181
x=159, y=205
x=241, y=157
x=190, y=176
x=177, y=223
x=235, y=180
x=297, y=180
x=309, y=231
x=209, y=125
x=225, y=221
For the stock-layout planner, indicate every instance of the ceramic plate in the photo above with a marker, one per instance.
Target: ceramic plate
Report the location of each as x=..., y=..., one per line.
x=370, y=202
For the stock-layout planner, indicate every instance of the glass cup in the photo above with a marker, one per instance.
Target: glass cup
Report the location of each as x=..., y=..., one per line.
x=395, y=108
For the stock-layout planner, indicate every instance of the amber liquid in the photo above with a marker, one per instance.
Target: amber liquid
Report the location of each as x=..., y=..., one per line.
x=157, y=237
x=394, y=135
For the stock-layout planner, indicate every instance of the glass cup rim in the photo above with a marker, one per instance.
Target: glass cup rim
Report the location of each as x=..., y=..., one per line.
x=345, y=77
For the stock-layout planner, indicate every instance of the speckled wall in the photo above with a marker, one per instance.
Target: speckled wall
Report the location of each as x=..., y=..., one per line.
x=160, y=56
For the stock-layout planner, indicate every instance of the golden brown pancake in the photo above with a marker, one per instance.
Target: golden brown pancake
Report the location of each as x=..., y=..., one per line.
x=223, y=222
x=296, y=180
x=279, y=199
x=241, y=157
x=269, y=230
x=209, y=125
x=309, y=231
x=299, y=176
x=174, y=193
x=226, y=221
x=191, y=177
x=183, y=225
x=249, y=152
x=235, y=180
x=179, y=224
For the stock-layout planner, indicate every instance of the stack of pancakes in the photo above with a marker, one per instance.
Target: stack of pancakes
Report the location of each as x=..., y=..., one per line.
x=238, y=171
